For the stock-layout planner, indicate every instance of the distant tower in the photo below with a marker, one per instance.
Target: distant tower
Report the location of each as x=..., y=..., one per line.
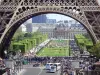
x=39, y=19
x=29, y=28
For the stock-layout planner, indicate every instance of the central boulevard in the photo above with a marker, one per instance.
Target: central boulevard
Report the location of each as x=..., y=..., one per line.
x=30, y=70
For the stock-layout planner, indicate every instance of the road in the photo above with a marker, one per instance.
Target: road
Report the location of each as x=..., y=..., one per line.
x=29, y=70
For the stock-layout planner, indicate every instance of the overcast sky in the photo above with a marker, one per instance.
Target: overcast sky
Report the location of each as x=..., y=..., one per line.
x=58, y=17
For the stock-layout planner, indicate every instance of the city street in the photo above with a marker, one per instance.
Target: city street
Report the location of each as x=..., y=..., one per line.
x=29, y=70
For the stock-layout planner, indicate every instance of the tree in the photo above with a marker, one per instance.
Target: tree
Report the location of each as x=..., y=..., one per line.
x=95, y=50
x=28, y=35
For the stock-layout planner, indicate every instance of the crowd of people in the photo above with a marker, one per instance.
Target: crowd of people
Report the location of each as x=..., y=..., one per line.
x=43, y=60
x=3, y=68
x=86, y=64
x=86, y=67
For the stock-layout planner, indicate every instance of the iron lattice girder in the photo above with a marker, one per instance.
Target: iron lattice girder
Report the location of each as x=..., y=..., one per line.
x=94, y=20
x=50, y=2
x=11, y=5
x=5, y=17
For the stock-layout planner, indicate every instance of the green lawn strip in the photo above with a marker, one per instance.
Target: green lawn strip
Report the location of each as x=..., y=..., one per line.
x=54, y=52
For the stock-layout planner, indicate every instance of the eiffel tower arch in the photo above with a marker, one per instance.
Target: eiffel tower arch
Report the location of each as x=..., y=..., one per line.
x=14, y=12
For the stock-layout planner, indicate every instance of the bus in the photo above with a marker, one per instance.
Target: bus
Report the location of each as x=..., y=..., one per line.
x=48, y=66
x=55, y=67
x=58, y=66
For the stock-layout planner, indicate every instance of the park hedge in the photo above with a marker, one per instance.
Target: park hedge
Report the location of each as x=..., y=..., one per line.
x=27, y=43
x=82, y=41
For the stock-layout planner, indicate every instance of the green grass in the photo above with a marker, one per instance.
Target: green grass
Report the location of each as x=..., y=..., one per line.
x=55, y=51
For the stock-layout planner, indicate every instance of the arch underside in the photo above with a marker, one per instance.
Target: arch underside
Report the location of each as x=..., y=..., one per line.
x=20, y=18
x=11, y=19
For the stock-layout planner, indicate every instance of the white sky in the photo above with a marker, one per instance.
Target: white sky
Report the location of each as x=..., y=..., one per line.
x=58, y=17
